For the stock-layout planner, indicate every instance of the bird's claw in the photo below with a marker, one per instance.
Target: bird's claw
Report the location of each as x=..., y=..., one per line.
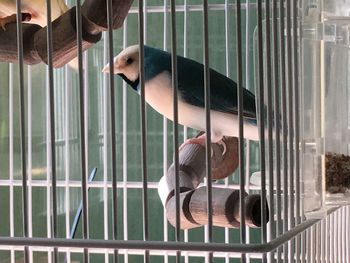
x=223, y=145
x=201, y=140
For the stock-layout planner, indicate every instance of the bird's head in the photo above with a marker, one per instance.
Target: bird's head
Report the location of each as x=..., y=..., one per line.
x=126, y=64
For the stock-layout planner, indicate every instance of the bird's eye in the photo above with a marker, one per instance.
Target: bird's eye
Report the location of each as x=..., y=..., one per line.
x=129, y=61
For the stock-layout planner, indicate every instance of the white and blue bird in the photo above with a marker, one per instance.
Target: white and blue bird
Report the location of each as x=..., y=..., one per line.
x=191, y=101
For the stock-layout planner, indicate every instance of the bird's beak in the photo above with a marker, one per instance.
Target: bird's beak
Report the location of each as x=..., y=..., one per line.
x=116, y=67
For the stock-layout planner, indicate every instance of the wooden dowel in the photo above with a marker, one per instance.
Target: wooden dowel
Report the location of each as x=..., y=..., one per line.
x=64, y=39
x=94, y=21
x=226, y=208
x=186, y=220
x=95, y=11
x=192, y=166
x=8, y=44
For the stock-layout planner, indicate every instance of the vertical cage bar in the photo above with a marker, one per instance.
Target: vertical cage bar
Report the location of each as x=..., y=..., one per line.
x=331, y=238
x=145, y=16
x=51, y=138
x=86, y=114
x=165, y=128
x=340, y=243
x=296, y=108
x=22, y=126
x=240, y=129
x=290, y=119
x=340, y=234
x=125, y=149
x=82, y=129
x=303, y=247
x=262, y=126
x=67, y=154
x=327, y=245
x=209, y=234
x=30, y=148
x=113, y=129
x=277, y=123
x=185, y=129
x=48, y=170
x=227, y=41
x=323, y=238
x=11, y=168
x=335, y=236
x=174, y=83
x=185, y=35
x=296, y=122
x=269, y=121
x=105, y=96
x=284, y=123
x=347, y=234
x=313, y=244
x=291, y=124
x=306, y=244
x=227, y=67
x=143, y=129
x=248, y=86
x=318, y=243
x=343, y=230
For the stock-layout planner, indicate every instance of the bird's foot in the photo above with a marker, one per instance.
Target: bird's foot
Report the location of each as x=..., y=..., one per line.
x=13, y=18
x=198, y=140
x=201, y=140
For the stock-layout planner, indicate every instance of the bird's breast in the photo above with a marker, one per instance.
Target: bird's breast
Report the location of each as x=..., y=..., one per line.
x=159, y=95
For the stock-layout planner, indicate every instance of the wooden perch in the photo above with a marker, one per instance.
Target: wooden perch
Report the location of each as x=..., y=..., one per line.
x=186, y=220
x=96, y=12
x=225, y=204
x=64, y=39
x=191, y=172
x=193, y=200
x=192, y=167
x=8, y=44
x=64, y=33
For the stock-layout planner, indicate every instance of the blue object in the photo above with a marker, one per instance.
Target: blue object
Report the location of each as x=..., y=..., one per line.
x=158, y=92
x=80, y=208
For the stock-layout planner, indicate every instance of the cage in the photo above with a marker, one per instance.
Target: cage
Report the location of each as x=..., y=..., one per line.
x=82, y=154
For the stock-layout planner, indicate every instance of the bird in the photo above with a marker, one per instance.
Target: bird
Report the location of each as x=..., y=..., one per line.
x=191, y=99
x=32, y=11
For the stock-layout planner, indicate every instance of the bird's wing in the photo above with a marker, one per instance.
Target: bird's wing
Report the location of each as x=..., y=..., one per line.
x=223, y=91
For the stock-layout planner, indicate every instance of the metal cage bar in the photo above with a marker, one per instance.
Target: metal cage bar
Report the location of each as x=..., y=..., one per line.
x=82, y=129
x=22, y=128
x=143, y=129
